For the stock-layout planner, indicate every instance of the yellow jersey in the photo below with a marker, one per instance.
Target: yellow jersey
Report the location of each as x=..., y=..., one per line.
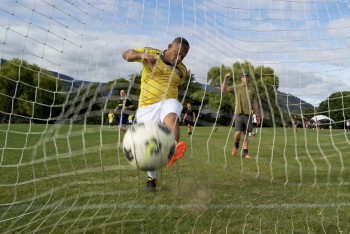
x=110, y=116
x=160, y=81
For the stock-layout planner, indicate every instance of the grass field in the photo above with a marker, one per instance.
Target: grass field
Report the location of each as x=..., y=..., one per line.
x=73, y=179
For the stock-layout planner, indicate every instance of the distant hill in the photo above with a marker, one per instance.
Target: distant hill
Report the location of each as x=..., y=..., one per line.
x=286, y=101
x=67, y=81
x=291, y=102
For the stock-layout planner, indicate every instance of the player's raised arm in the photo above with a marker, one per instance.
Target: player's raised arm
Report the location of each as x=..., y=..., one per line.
x=133, y=55
x=224, y=83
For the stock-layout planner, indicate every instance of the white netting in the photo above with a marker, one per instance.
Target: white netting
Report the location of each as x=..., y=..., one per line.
x=61, y=167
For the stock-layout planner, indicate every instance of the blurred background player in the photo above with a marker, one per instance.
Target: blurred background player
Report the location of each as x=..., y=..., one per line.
x=110, y=119
x=254, y=127
x=124, y=103
x=295, y=123
x=130, y=119
x=162, y=75
x=347, y=125
x=189, y=118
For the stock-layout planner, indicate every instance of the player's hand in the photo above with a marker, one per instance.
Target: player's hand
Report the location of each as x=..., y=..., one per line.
x=258, y=120
x=227, y=75
x=149, y=59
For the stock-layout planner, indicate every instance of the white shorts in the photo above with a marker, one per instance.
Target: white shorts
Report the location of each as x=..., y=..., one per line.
x=111, y=121
x=158, y=111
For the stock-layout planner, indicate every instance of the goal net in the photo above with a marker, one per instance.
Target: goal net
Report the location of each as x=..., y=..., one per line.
x=62, y=166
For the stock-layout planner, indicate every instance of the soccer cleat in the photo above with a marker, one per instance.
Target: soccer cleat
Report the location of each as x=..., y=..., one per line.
x=234, y=151
x=247, y=156
x=151, y=184
x=180, y=149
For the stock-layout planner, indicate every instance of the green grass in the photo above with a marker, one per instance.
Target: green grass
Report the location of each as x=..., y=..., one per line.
x=75, y=179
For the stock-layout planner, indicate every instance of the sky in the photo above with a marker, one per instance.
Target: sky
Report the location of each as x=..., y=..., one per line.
x=307, y=43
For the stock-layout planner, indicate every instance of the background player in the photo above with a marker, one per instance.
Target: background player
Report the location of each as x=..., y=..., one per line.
x=245, y=100
x=110, y=119
x=124, y=103
x=189, y=118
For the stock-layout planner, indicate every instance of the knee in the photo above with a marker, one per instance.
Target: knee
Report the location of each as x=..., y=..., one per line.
x=171, y=118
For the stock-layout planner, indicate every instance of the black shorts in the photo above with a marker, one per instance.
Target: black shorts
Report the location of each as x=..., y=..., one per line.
x=189, y=122
x=243, y=123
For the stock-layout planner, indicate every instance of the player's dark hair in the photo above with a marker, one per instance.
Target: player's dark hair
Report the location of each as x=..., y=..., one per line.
x=183, y=42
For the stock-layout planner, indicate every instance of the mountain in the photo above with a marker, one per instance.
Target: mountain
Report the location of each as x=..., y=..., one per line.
x=68, y=82
x=286, y=101
x=291, y=102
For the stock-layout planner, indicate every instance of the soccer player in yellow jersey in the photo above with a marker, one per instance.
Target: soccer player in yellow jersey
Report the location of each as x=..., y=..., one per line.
x=110, y=119
x=162, y=74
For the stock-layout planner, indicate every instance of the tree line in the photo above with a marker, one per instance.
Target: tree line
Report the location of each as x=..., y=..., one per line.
x=28, y=91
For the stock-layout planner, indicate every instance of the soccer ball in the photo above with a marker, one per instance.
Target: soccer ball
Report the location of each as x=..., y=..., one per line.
x=148, y=146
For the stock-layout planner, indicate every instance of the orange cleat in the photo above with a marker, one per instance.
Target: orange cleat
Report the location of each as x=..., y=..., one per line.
x=180, y=150
x=234, y=151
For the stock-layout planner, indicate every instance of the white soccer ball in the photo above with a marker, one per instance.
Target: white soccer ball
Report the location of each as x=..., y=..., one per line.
x=148, y=146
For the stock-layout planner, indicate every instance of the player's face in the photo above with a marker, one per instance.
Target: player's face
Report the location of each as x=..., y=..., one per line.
x=176, y=53
x=245, y=79
x=122, y=93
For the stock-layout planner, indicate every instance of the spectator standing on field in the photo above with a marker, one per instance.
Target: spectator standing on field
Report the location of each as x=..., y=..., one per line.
x=347, y=125
x=189, y=118
x=255, y=125
x=130, y=119
x=124, y=103
x=245, y=101
x=110, y=119
x=295, y=123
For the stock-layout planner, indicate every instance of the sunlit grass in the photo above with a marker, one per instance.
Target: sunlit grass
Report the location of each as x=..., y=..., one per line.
x=60, y=179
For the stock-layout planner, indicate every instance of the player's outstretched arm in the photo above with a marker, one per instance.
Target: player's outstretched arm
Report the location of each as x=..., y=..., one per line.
x=224, y=83
x=133, y=55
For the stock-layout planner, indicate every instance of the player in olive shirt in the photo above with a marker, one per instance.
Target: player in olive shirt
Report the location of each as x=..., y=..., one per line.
x=245, y=101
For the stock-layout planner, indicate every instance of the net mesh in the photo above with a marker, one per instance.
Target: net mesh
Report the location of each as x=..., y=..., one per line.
x=62, y=170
